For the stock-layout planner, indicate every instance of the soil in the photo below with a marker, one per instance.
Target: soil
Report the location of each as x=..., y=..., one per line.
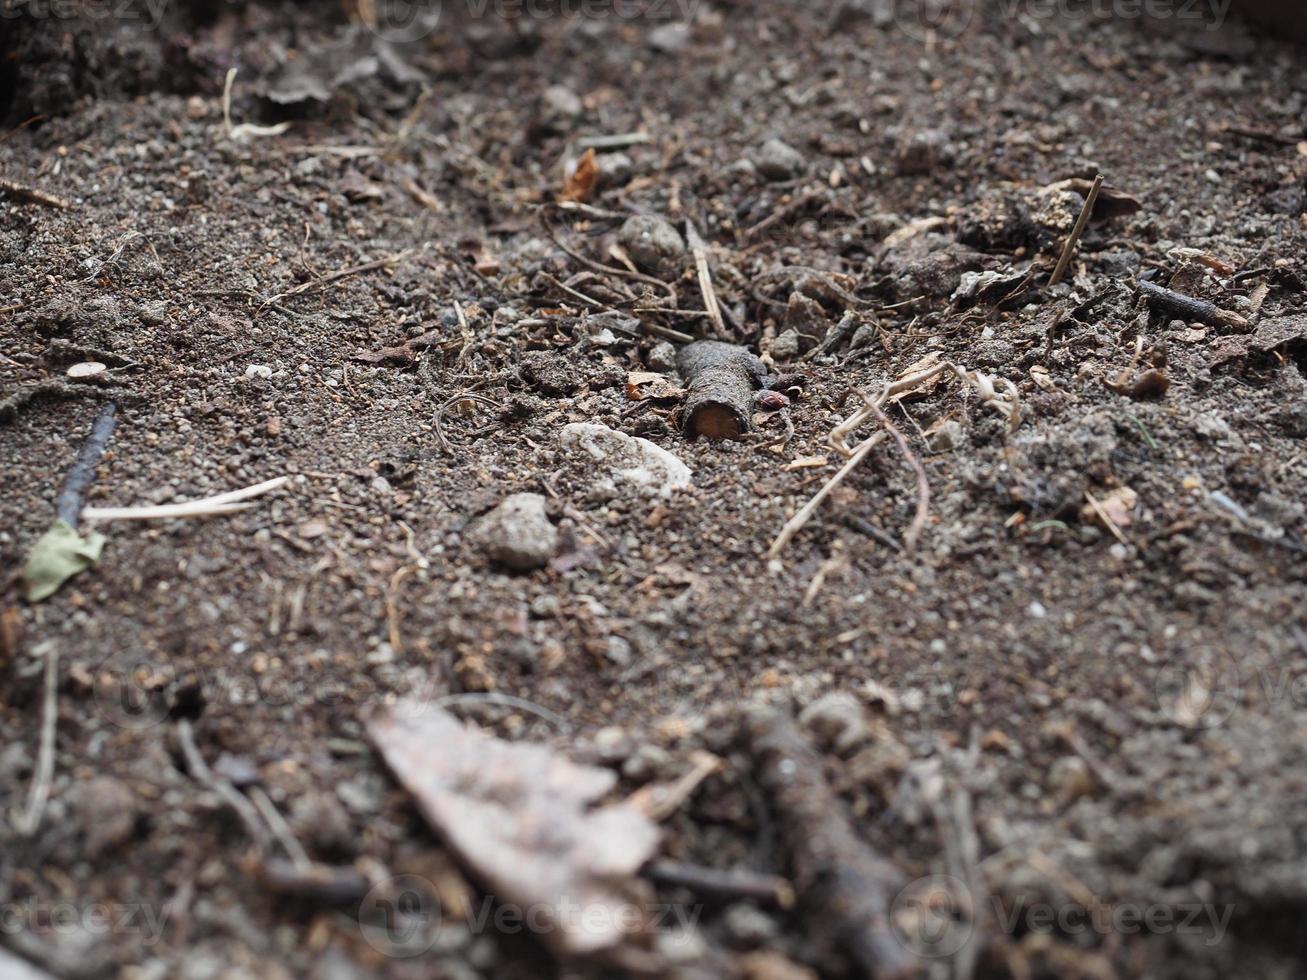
x=1112, y=715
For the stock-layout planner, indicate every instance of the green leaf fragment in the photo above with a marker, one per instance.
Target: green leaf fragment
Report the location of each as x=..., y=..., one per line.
x=57, y=556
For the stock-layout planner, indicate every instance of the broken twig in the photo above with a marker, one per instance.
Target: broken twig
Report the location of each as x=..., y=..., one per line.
x=720, y=379
x=844, y=887
x=1184, y=307
x=1069, y=249
x=223, y=503
x=32, y=195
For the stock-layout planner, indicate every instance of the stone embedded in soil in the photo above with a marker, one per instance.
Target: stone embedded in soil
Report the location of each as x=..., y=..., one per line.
x=619, y=462
x=777, y=160
x=558, y=103
x=806, y=317
x=947, y=437
x=786, y=347
x=653, y=244
x=105, y=810
x=517, y=533
x=662, y=358
x=920, y=152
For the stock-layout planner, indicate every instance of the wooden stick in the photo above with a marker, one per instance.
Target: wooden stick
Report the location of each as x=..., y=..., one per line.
x=1069, y=249
x=700, y=252
x=913, y=533
x=29, y=820
x=33, y=196
x=845, y=888
x=723, y=882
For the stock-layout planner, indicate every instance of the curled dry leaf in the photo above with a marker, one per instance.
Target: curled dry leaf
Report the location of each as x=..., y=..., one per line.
x=1118, y=507
x=521, y=818
x=650, y=385
x=579, y=184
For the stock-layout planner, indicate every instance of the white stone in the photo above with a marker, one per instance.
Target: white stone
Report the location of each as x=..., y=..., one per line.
x=624, y=463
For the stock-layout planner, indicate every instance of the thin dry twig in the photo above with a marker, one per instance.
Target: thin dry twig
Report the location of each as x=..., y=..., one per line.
x=249, y=816
x=1069, y=249
x=611, y=270
x=244, y=129
x=1106, y=518
x=223, y=503
x=29, y=820
x=700, y=252
x=723, y=882
x=1006, y=403
x=438, y=421
x=327, y=280
x=913, y=534
x=32, y=195
x=660, y=801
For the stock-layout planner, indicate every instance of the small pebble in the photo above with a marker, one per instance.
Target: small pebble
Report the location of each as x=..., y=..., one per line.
x=517, y=533
x=86, y=369
x=947, y=437
x=662, y=358
x=777, y=160
x=653, y=244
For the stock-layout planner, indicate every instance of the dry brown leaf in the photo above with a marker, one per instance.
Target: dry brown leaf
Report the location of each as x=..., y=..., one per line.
x=646, y=385
x=805, y=463
x=1118, y=507
x=581, y=180
x=521, y=818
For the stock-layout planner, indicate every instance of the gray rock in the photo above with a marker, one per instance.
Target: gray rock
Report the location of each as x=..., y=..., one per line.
x=838, y=720
x=617, y=462
x=787, y=346
x=653, y=244
x=662, y=358
x=947, y=437
x=517, y=533
x=921, y=152
x=748, y=927
x=105, y=811
x=648, y=762
x=615, y=170
x=805, y=317
x=777, y=160
x=558, y=103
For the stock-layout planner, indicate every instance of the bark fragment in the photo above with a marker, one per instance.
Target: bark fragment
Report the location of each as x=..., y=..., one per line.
x=720, y=379
x=845, y=889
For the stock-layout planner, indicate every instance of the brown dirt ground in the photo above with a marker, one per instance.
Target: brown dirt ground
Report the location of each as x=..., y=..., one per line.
x=1017, y=627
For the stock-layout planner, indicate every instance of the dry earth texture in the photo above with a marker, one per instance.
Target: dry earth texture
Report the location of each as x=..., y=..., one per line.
x=1022, y=697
